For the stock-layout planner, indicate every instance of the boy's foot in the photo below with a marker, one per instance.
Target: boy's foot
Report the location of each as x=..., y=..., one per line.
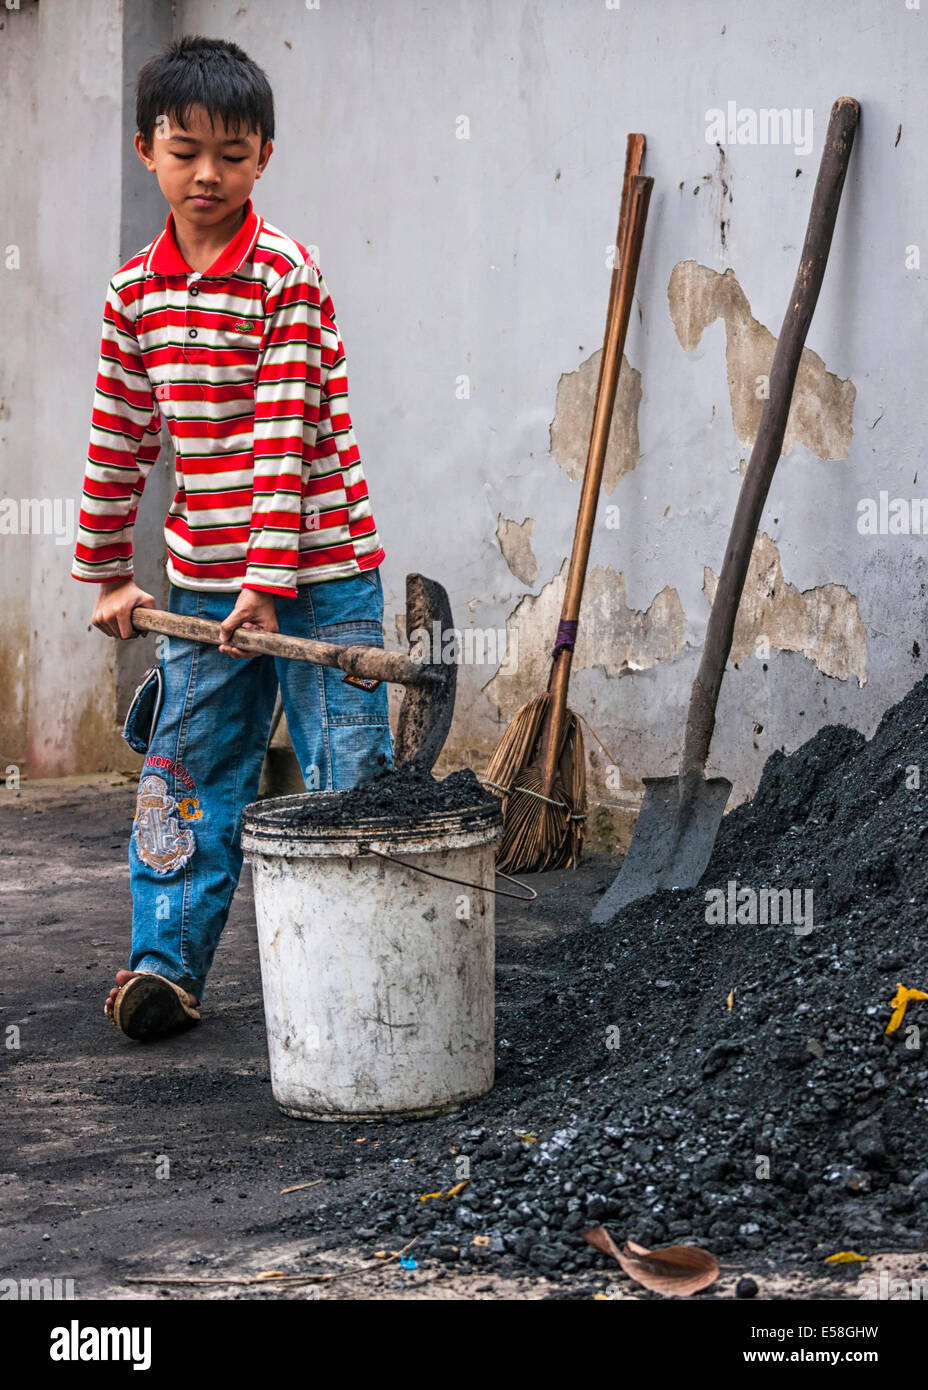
x=147, y=1006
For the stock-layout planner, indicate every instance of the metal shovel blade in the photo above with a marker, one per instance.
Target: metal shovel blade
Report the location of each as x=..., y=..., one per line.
x=672, y=844
x=427, y=709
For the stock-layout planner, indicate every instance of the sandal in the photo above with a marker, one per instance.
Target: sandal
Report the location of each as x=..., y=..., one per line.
x=151, y=1006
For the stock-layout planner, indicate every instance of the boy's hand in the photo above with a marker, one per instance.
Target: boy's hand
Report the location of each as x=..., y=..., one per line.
x=252, y=609
x=112, y=611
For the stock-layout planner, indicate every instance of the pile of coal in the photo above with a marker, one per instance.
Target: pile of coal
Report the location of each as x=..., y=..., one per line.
x=691, y=1072
x=406, y=795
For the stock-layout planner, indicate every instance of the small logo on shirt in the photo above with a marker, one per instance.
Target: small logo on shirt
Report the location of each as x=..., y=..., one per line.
x=244, y=325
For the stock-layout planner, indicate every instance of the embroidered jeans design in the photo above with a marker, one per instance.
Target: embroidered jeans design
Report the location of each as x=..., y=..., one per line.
x=159, y=840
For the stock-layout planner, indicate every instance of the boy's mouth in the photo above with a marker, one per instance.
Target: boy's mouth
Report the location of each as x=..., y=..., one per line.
x=205, y=200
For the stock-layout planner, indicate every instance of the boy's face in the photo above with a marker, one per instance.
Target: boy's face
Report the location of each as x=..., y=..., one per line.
x=205, y=173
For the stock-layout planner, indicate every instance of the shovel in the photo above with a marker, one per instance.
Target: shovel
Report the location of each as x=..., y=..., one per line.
x=428, y=705
x=680, y=816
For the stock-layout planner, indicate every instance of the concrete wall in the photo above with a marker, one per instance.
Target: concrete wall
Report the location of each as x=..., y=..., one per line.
x=74, y=208
x=458, y=168
x=18, y=118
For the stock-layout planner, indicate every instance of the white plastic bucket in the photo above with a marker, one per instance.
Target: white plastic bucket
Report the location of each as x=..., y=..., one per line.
x=378, y=980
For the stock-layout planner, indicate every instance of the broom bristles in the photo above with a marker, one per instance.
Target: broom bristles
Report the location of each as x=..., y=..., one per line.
x=515, y=748
x=536, y=834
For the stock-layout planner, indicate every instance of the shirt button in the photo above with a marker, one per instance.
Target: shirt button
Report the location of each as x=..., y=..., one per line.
x=192, y=333
x=194, y=290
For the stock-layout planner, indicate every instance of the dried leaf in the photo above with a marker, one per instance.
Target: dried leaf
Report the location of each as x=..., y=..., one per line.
x=845, y=1257
x=673, y=1269
x=900, y=1003
x=457, y=1189
x=271, y=1274
x=601, y=1240
x=482, y=1241
x=427, y=1195
x=731, y=999
x=526, y=1138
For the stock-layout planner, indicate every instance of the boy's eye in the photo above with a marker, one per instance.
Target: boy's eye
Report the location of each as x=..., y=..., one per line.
x=230, y=158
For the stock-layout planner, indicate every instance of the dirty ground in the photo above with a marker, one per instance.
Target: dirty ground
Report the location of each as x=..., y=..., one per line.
x=733, y=1044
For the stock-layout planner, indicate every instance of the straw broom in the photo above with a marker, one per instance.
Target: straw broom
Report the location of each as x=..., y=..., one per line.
x=539, y=766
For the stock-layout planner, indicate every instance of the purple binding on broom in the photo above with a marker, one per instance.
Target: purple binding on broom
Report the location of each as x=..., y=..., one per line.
x=566, y=637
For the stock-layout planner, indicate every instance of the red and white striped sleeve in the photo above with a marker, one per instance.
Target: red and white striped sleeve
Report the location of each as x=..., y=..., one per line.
x=335, y=434
x=287, y=376
x=125, y=440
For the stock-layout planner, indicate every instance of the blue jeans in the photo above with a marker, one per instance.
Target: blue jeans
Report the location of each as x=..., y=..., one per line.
x=204, y=761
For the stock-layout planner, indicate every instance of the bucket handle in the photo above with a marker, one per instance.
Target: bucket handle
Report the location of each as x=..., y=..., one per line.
x=500, y=892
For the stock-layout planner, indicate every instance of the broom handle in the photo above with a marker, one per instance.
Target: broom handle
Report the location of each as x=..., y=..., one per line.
x=620, y=305
x=634, y=155
x=559, y=675
x=609, y=365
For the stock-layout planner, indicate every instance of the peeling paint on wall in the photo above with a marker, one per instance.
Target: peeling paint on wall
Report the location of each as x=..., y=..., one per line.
x=573, y=422
x=515, y=542
x=823, y=405
x=611, y=635
x=824, y=624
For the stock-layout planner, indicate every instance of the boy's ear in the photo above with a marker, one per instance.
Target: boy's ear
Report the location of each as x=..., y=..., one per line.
x=143, y=150
x=266, y=152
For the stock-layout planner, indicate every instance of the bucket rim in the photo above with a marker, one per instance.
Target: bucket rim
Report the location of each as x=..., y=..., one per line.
x=268, y=820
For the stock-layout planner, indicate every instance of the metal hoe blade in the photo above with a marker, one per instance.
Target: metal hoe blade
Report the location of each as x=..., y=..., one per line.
x=428, y=708
x=672, y=843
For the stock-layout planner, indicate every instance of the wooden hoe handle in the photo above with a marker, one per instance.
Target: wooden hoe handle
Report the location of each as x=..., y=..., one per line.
x=372, y=663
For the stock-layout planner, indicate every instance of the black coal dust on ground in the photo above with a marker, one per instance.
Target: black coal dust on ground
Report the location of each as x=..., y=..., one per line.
x=645, y=1102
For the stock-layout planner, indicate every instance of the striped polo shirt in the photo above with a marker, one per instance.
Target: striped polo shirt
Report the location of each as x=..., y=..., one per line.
x=246, y=364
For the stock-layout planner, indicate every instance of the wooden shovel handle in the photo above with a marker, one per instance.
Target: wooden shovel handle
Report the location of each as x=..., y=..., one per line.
x=371, y=663
x=765, y=455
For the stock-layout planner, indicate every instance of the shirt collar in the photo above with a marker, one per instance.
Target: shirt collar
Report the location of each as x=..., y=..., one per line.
x=165, y=257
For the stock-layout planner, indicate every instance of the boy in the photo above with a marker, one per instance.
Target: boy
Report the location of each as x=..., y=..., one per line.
x=224, y=327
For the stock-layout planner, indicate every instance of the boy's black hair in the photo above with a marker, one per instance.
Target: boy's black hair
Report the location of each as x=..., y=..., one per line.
x=212, y=73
